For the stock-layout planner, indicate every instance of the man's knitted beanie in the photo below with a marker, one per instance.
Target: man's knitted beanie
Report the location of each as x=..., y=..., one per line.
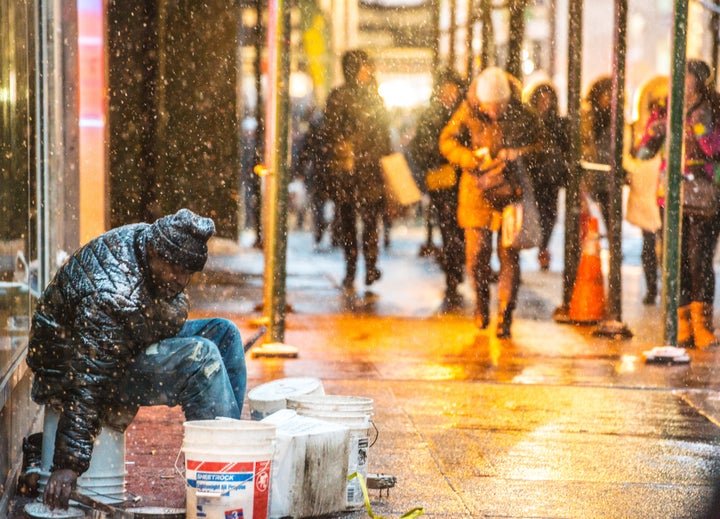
x=181, y=238
x=492, y=86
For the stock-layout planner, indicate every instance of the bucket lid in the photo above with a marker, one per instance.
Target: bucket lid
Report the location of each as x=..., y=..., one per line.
x=40, y=510
x=331, y=403
x=280, y=389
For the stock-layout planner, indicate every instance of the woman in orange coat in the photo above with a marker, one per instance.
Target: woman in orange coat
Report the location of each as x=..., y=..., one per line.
x=490, y=124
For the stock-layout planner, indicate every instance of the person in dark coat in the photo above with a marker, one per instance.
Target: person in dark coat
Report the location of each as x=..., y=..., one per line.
x=553, y=168
x=357, y=133
x=312, y=167
x=596, y=140
x=110, y=333
x=441, y=179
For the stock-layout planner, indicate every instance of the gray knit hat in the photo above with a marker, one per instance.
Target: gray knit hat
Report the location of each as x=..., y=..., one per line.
x=181, y=238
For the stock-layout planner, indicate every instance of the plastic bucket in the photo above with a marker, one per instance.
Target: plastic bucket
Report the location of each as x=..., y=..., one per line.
x=355, y=413
x=228, y=468
x=104, y=480
x=268, y=398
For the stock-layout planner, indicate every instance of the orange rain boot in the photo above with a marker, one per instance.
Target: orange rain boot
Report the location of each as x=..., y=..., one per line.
x=685, y=330
x=702, y=336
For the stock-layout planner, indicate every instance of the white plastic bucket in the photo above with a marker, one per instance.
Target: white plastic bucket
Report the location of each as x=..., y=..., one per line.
x=268, y=398
x=104, y=480
x=355, y=413
x=228, y=468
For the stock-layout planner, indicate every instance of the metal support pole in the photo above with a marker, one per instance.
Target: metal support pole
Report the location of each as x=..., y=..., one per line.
x=276, y=178
x=487, y=36
x=715, y=31
x=434, y=6
x=43, y=97
x=672, y=231
x=613, y=326
x=469, y=36
x=552, y=23
x=452, y=30
x=572, y=191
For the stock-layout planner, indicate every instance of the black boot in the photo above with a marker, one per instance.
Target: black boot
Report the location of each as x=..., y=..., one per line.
x=349, y=281
x=504, y=321
x=482, y=310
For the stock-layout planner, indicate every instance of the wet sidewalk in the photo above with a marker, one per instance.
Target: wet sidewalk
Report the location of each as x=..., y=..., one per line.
x=554, y=422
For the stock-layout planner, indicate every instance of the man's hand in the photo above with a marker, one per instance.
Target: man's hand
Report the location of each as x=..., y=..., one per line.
x=58, y=488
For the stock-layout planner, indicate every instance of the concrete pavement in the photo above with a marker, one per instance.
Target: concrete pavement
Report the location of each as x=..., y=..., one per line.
x=552, y=423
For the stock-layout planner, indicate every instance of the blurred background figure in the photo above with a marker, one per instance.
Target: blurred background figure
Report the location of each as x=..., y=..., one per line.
x=357, y=135
x=596, y=142
x=441, y=180
x=312, y=167
x=648, y=153
x=552, y=169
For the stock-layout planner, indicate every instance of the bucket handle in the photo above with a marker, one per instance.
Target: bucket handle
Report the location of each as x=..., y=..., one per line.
x=377, y=433
x=177, y=469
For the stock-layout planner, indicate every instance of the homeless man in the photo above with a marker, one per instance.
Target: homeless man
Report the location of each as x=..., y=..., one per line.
x=110, y=333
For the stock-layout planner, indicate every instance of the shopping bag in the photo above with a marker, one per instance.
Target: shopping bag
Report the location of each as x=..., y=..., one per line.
x=521, y=224
x=642, y=204
x=399, y=181
x=520, y=228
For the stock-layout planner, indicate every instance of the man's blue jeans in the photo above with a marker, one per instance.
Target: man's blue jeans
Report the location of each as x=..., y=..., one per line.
x=202, y=369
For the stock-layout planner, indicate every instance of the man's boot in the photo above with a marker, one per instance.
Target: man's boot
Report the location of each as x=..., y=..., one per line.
x=504, y=321
x=685, y=330
x=703, y=337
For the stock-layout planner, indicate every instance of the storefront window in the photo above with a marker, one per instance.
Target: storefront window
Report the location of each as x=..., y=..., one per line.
x=16, y=265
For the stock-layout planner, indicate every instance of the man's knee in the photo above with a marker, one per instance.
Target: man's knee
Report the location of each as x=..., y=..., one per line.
x=203, y=357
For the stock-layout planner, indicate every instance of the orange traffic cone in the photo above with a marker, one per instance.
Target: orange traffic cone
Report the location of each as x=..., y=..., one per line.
x=587, y=305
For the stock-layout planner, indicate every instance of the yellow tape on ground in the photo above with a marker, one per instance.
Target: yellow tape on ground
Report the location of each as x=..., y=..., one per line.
x=415, y=512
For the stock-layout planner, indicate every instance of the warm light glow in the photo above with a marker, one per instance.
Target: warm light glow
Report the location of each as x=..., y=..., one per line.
x=91, y=80
x=300, y=85
x=405, y=91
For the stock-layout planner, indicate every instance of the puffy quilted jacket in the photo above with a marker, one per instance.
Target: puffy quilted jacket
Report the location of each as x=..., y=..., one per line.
x=93, y=318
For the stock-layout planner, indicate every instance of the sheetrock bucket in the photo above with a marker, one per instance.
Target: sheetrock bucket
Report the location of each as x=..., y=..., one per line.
x=228, y=468
x=355, y=413
x=104, y=480
x=268, y=398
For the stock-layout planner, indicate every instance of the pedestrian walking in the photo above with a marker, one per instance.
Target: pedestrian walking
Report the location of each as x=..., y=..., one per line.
x=489, y=126
x=110, y=334
x=311, y=166
x=441, y=180
x=356, y=132
x=553, y=168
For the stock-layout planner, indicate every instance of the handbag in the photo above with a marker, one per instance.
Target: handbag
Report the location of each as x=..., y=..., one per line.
x=500, y=184
x=699, y=196
x=443, y=177
x=520, y=227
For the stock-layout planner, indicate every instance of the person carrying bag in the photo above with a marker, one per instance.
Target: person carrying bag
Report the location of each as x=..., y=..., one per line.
x=490, y=125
